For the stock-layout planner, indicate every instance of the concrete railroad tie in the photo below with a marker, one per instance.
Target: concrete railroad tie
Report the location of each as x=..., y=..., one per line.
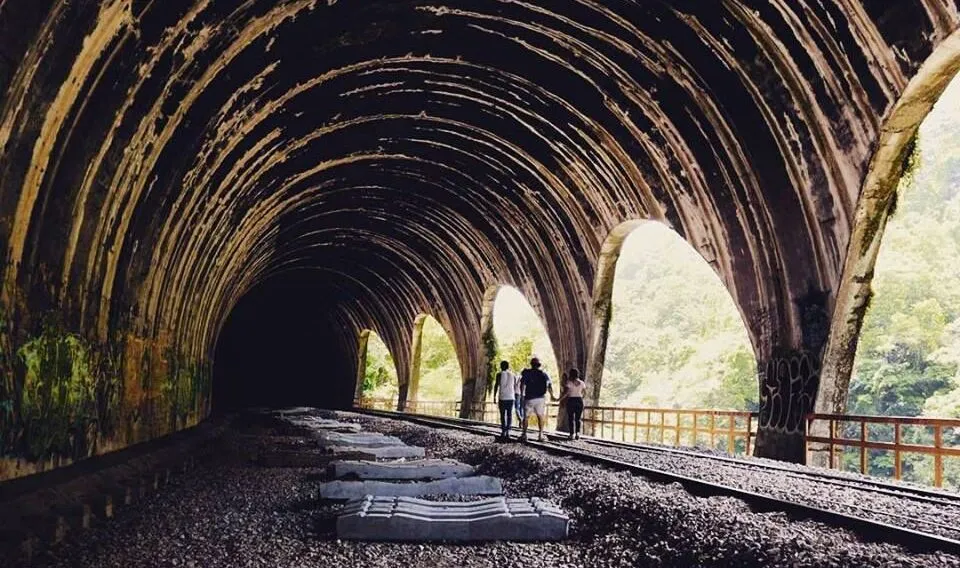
x=403, y=470
x=364, y=440
x=374, y=454
x=294, y=411
x=324, y=425
x=480, y=485
x=407, y=519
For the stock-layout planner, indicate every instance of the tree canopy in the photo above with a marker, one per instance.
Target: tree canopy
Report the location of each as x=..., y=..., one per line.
x=380, y=372
x=676, y=338
x=440, y=376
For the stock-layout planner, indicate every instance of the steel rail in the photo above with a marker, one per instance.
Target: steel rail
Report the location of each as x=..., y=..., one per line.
x=867, y=529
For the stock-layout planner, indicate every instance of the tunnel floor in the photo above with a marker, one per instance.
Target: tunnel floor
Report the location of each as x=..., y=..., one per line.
x=231, y=512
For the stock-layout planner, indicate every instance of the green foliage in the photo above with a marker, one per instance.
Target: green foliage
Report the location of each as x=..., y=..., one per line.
x=440, y=376
x=520, y=334
x=676, y=338
x=908, y=356
x=380, y=372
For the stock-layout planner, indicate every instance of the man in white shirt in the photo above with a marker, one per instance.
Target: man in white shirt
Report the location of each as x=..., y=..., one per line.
x=506, y=386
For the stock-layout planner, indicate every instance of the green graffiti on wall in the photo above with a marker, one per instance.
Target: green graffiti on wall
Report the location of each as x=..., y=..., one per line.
x=185, y=391
x=61, y=396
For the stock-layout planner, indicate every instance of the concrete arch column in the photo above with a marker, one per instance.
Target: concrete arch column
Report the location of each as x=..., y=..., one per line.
x=890, y=159
x=362, y=342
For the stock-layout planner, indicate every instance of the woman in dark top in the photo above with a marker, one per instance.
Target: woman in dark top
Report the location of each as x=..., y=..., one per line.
x=574, y=389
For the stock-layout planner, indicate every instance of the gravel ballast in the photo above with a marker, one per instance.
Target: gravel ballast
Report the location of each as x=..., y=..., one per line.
x=802, y=486
x=229, y=512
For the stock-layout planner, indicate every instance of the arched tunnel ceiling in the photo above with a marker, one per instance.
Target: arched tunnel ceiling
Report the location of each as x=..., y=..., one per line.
x=160, y=158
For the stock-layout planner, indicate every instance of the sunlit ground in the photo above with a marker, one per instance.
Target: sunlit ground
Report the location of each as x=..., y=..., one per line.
x=676, y=338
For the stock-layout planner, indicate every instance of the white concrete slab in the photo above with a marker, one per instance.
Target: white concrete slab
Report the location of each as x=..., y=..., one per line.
x=479, y=485
x=403, y=470
x=358, y=440
x=382, y=453
x=416, y=520
x=324, y=425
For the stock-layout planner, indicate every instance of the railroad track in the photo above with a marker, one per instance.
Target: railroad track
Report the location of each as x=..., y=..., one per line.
x=869, y=529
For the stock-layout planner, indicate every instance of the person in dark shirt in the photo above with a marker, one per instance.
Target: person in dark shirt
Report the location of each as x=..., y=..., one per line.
x=534, y=386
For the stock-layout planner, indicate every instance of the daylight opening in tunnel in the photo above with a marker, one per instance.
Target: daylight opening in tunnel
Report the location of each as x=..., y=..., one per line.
x=378, y=379
x=676, y=338
x=436, y=380
x=908, y=355
x=519, y=333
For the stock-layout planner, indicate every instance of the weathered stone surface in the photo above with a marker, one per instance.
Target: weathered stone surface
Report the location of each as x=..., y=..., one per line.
x=324, y=425
x=479, y=485
x=416, y=469
x=377, y=453
x=406, y=519
x=358, y=440
x=166, y=165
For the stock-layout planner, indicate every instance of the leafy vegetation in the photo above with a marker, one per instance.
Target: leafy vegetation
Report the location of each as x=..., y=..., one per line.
x=909, y=352
x=520, y=333
x=380, y=372
x=439, y=367
x=676, y=338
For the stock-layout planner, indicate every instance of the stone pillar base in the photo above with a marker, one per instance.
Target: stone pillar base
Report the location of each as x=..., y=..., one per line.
x=783, y=446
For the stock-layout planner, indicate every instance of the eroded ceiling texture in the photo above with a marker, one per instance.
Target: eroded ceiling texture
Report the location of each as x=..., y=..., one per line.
x=161, y=158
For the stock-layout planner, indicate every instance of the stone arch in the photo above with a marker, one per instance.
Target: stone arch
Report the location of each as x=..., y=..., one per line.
x=416, y=355
x=362, y=341
x=365, y=338
x=602, y=303
x=894, y=146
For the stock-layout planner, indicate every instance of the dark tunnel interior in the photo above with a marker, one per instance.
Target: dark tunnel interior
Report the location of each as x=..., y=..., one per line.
x=279, y=347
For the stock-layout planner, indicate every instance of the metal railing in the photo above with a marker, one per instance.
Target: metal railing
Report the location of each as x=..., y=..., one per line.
x=729, y=431
x=919, y=448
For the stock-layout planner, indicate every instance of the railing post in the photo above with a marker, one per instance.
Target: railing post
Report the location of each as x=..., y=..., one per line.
x=749, y=432
x=938, y=456
x=649, y=426
x=897, y=473
x=696, y=425
x=713, y=430
x=833, y=434
x=635, y=426
x=663, y=419
x=863, y=447
x=731, y=447
x=677, y=431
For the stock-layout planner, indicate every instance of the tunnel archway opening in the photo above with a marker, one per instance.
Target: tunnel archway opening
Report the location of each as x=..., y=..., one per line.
x=279, y=346
x=675, y=337
x=378, y=382
x=519, y=333
x=907, y=355
x=436, y=377
x=512, y=331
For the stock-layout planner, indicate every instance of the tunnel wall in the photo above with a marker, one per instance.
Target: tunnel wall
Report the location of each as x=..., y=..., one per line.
x=158, y=160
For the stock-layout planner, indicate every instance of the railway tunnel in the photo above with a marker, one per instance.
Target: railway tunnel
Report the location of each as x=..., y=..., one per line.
x=203, y=203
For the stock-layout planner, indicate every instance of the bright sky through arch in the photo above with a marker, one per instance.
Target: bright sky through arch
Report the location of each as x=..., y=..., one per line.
x=514, y=318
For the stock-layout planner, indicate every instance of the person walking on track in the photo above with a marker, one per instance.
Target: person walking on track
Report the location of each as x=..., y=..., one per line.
x=534, y=386
x=506, y=386
x=574, y=387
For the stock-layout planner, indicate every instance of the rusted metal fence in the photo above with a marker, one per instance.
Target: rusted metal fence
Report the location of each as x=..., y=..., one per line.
x=729, y=431
x=924, y=450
